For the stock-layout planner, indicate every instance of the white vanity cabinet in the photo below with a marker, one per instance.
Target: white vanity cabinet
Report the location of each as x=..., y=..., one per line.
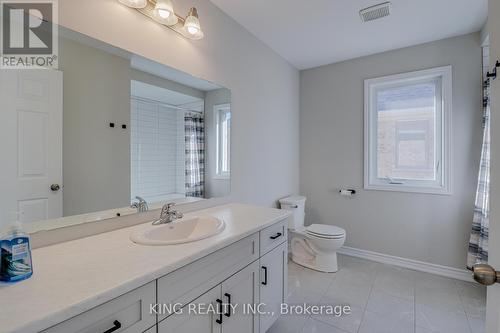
x=219, y=293
x=245, y=281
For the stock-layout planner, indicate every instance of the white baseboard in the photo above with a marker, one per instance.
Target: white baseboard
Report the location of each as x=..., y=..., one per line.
x=450, y=272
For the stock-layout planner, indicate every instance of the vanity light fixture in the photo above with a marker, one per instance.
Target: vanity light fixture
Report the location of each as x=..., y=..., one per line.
x=162, y=11
x=192, y=24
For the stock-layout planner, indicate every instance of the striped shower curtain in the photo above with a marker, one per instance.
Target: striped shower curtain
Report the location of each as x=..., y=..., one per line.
x=194, y=128
x=478, y=244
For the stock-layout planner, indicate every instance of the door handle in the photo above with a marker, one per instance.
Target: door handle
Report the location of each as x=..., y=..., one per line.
x=264, y=283
x=116, y=326
x=485, y=274
x=55, y=187
x=219, y=308
x=228, y=313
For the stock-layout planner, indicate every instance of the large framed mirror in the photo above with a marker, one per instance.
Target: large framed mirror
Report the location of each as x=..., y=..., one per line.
x=109, y=133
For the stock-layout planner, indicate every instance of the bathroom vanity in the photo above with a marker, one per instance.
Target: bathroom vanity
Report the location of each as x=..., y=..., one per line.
x=107, y=283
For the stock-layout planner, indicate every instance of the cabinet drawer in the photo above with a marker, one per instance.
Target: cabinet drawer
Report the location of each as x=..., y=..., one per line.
x=273, y=236
x=129, y=312
x=187, y=283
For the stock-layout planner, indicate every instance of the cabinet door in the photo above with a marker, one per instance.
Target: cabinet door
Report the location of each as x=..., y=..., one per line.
x=195, y=321
x=238, y=292
x=273, y=283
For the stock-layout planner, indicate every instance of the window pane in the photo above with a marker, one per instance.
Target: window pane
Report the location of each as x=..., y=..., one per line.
x=406, y=123
x=225, y=127
x=223, y=139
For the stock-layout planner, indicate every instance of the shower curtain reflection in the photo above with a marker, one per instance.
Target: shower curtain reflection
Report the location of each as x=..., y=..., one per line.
x=194, y=125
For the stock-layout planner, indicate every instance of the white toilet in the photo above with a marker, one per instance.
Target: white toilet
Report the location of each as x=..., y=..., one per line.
x=314, y=246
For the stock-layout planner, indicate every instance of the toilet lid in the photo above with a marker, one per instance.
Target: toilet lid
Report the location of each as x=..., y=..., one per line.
x=324, y=230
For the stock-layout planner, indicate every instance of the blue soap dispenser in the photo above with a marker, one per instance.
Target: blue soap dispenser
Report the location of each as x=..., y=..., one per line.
x=15, y=255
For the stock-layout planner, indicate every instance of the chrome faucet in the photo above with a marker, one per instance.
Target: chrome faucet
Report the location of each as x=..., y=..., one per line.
x=168, y=215
x=141, y=205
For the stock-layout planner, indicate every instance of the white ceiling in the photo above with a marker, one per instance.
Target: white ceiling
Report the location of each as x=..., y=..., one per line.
x=319, y=32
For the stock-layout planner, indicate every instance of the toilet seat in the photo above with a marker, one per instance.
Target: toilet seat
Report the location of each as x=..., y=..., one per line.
x=325, y=231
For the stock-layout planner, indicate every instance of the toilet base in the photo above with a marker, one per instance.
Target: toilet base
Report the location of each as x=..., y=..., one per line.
x=317, y=254
x=322, y=263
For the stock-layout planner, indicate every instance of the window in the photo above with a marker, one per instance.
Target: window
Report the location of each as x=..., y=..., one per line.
x=407, y=129
x=223, y=135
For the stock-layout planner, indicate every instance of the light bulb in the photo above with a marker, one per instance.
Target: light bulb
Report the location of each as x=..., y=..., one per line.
x=163, y=13
x=192, y=30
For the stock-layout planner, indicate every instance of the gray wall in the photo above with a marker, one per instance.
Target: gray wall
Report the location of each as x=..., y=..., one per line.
x=96, y=158
x=264, y=87
x=430, y=228
x=214, y=187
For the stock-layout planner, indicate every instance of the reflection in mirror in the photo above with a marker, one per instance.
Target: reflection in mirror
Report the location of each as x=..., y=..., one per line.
x=109, y=133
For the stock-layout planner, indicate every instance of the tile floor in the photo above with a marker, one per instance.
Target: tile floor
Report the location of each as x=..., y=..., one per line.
x=383, y=299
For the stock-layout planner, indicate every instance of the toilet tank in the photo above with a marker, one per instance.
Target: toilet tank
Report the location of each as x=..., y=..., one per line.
x=295, y=204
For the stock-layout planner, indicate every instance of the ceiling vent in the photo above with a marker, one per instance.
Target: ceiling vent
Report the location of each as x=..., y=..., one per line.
x=375, y=12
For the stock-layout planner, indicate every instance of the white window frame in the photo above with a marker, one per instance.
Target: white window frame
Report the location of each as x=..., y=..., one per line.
x=443, y=153
x=218, y=143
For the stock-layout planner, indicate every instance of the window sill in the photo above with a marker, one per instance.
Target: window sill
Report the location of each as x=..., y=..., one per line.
x=409, y=189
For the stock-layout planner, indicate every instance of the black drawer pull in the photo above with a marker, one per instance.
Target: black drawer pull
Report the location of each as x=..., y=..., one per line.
x=117, y=326
x=276, y=236
x=265, y=276
x=228, y=313
x=219, y=310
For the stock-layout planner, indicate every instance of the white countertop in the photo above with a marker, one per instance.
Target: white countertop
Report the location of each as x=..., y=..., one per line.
x=72, y=277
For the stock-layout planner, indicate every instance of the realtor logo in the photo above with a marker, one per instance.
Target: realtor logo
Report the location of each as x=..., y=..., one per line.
x=29, y=34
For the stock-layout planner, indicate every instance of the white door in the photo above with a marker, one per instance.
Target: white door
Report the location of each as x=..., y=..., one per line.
x=240, y=290
x=273, y=283
x=493, y=303
x=198, y=321
x=31, y=136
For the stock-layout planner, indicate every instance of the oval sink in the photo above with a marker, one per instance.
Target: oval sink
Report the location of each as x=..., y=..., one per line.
x=185, y=230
